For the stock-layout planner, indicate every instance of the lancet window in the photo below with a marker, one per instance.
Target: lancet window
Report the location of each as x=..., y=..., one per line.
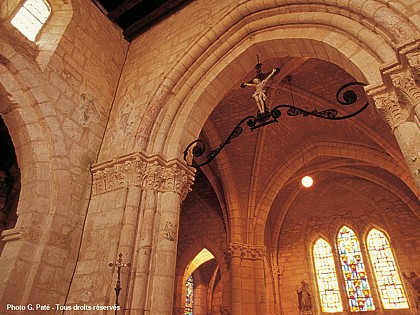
x=355, y=277
x=326, y=277
x=386, y=272
x=189, y=299
x=354, y=271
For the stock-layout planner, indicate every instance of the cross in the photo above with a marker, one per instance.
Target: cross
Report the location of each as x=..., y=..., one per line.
x=259, y=83
x=119, y=264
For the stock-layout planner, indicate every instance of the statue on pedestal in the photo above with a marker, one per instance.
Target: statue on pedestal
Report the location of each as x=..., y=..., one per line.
x=304, y=298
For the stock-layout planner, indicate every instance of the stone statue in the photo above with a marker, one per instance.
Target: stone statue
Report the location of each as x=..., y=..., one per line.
x=304, y=298
x=415, y=284
x=259, y=94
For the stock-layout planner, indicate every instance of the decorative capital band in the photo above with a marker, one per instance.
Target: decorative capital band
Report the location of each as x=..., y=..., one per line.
x=389, y=108
x=414, y=62
x=147, y=172
x=245, y=251
x=407, y=87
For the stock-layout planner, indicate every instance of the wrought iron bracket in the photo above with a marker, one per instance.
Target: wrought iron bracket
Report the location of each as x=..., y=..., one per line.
x=345, y=96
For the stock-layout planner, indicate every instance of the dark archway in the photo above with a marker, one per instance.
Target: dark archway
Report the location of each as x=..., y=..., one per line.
x=9, y=181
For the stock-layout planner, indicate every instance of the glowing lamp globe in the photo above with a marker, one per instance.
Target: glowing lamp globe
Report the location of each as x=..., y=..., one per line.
x=307, y=181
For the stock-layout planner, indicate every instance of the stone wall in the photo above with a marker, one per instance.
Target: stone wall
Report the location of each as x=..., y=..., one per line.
x=162, y=64
x=56, y=95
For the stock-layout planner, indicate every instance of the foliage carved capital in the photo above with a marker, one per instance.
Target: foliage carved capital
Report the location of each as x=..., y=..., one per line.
x=414, y=62
x=149, y=173
x=390, y=110
x=116, y=174
x=406, y=86
x=245, y=251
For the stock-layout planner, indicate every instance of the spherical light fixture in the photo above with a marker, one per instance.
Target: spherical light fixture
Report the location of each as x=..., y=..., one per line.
x=307, y=181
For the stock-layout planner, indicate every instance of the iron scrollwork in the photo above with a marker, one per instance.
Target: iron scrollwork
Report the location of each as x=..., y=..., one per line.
x=345, y=96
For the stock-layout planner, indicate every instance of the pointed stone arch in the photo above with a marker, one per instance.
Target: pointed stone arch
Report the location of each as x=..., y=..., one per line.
x=224, y=55
x=362, y=24
x=35, y=130
x=183, y=262
x=32, y=151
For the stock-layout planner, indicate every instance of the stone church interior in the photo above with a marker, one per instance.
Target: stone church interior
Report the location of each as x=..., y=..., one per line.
x=153, y=157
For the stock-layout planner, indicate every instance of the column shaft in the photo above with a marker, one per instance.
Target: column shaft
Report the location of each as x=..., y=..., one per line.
x=165, y=251
x=144, y=249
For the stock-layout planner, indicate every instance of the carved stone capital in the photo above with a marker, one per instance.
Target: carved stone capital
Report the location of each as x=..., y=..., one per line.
x=147, y=172
x=389, y=109
x=414, y=62
x=118, y=173
x=176, y=179
x=245, y=251
x=407, y=88
x=152, y=177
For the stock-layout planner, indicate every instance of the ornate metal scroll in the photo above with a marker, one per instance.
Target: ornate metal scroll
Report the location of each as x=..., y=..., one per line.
x=345, y=96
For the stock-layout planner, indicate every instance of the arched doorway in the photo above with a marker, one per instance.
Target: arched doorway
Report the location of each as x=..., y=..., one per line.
x=9, y=181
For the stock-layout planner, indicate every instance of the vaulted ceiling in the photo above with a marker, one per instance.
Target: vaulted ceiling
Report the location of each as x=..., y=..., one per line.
x=136, y=16
x=265, y=166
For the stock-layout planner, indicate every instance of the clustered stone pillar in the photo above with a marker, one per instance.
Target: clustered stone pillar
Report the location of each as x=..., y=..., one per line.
x=398, y=102
x=247, y=278
x=135, y=211
x=164, y=186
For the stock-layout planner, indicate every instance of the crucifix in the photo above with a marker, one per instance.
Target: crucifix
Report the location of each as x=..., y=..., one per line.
x=119, y=264
x=345, y=96
x=259, y=82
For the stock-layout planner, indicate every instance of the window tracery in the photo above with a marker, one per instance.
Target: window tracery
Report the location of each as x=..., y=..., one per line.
x=189, y=299
x=386, y=273
x=385, y=269
x=354, y=271
x=327, y=277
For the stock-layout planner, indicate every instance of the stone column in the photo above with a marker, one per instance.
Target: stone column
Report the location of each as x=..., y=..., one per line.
x=406, y=132
x=129, y=226
x=144, y=241
x=276, y=280
x=236, y=298
x=174, y=183
x=247, y=279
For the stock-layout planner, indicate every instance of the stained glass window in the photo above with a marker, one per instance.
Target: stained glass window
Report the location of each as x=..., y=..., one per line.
x=189, y=299
x=327, y=278
x=31, y=17
x=386, y=272
x=354, y=272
